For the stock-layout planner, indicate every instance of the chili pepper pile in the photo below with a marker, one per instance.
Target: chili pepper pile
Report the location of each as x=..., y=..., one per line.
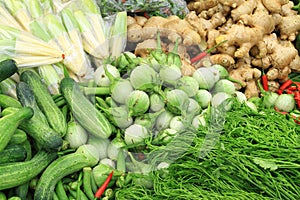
x=290, y=87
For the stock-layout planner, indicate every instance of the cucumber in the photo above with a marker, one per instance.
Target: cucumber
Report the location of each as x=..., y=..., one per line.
x=9, y=124
x=8, y=101
x=7, y=69
x=13, y=153
x=18, y=137
x=37, y=127
x=2, y=196
x=83, y=110
x=85, y=156
x=14, y=174
x=45, y=101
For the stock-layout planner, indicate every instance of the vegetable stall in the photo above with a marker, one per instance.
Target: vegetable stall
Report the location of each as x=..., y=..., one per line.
x=149, y=100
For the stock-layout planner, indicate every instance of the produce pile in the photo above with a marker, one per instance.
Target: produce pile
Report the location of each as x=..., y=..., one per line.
x=260, y=37
x=120, y=102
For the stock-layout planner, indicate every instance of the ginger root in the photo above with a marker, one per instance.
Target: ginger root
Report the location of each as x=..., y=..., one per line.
x=201, y=5
x=280, y=55
x=225, y=60
x=244, y=73
x=143, y=49
x=171, y=28
x=259, y=35
x=274, y=6
x=251, y=89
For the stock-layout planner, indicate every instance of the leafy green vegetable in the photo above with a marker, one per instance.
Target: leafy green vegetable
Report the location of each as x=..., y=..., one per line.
x=255, y=157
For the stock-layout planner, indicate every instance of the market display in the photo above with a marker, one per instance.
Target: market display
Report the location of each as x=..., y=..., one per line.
x=149, y=99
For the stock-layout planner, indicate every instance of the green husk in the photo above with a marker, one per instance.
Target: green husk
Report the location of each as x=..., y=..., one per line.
x=118, y=35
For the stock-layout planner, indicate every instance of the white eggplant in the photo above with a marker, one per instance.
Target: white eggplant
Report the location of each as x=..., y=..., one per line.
x=135, y=134
x=137, y=103
x=188, y=84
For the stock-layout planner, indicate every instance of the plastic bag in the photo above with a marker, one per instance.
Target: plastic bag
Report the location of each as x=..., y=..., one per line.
x=152, y=7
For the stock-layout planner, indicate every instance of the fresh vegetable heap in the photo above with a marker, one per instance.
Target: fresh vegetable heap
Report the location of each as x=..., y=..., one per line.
x=138, y=120
x=261, y=36
x=82, y=117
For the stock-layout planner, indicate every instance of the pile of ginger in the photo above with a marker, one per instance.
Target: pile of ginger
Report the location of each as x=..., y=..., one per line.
x=259, y=37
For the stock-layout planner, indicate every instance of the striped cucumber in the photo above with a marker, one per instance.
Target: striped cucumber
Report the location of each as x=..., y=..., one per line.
x=13, y=153
x=85, y=156
x=45, y=101
x=7, y=68
x=14, y=174
x=9, y=124
x=8, y=101
x=84, y=111
x=37, y=127
x=18, y=137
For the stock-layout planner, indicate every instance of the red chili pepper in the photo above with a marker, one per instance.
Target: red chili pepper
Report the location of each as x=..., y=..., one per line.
x=264, y=80
x=103, y=187
x=279, y=91
x=199, y=56
x=146, y=15
x=292, y=88
x=286, y=84
x=288, y=91
x=297, y=98
x=297, y=85
x=297, y=120
x=205, y=53
x=281, y=112
x=63, y=56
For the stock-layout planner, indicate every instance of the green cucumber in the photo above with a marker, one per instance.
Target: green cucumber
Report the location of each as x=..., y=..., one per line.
x=83, y=110
x=14, y=174
x=9, y=110
x=45, y=101
x=2, y=196
x=18, y=137
x=37, y=127
x=85, y=156
x=13, y=153
x=7, y=69
x=8, y=101
x=9, y=124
